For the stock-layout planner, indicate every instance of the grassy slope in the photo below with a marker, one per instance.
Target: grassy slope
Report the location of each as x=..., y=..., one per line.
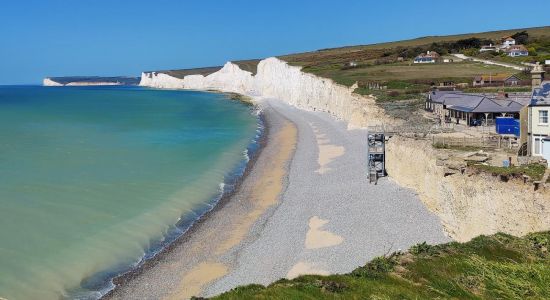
x=330, y=63
x=405, y=83
x=488, y=267
x=304, y=58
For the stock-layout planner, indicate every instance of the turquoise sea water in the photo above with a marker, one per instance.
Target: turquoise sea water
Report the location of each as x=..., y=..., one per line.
x=93, y=178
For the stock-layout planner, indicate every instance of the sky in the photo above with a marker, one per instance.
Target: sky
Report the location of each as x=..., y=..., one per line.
x=117, y=37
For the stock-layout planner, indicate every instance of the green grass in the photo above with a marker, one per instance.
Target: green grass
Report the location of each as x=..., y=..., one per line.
x=520, y=89
x=534, y=171
x=405, y=72
x=488, y=267
x=302, y=58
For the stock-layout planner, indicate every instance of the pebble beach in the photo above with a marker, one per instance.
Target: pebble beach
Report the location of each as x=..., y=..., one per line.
x=304, y=207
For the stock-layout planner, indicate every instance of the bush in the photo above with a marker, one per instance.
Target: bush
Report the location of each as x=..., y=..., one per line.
x=423, y=248
x=470, y=52
x=377, y=267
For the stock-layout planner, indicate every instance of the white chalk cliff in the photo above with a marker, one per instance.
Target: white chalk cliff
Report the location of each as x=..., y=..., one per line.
x=276, y=79
x=49, y=82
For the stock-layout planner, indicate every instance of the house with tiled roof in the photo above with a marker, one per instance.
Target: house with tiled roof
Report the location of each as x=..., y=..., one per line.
x=517, y=50
x=428, y=57
x=496, y=80
x=473, y=108
x=508, y=41
x=535, y=119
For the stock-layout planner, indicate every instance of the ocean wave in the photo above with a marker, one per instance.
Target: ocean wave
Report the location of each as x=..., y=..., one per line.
x=101, y=284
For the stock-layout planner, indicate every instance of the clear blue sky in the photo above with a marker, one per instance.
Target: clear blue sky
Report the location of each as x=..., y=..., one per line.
x=59, y=38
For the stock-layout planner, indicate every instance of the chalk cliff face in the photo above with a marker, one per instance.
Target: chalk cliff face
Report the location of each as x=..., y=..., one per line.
x=468, y=205
x=89, y=81
x=49, y=82
x=160, y=81
x=276, y=79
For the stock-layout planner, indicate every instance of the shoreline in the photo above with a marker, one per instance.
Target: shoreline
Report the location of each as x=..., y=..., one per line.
x=320, y=217
x=196, y=230
x=187, y=224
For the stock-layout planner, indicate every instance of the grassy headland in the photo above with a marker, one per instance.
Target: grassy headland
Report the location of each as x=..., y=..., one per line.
x=386, y=70
x=488, y=267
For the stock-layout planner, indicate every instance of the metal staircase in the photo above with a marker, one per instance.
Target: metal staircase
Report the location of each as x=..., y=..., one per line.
x=376, y=154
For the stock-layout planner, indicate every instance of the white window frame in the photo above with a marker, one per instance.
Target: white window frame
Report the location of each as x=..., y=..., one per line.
x=541, y=122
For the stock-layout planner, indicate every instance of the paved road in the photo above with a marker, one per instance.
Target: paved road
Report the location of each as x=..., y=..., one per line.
x=490, y=62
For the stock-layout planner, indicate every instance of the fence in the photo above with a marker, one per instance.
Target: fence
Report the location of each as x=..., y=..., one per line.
x=487, y=142
x=410, y=129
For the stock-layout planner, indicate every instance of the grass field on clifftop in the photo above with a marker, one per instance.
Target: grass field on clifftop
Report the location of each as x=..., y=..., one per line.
x=402, y=83
x=488, y=267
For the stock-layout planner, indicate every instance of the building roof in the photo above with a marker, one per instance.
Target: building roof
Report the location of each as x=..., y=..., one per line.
x=479, y=103
x=508, y=38
x=494, y=77
x=516, y=48
x=429, y=54
x=541, y=95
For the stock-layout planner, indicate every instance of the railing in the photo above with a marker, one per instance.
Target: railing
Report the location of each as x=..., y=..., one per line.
x=488, y=142
x=410, y=129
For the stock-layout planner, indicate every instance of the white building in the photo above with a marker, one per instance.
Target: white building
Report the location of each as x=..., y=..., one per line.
x=429, y=58
x=508, y=41
x=537, y=124
x=489, y=48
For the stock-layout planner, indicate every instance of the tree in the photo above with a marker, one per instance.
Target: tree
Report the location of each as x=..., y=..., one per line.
x=521, y=38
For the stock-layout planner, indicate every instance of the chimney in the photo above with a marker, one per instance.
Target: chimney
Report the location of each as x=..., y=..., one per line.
x=537, y=75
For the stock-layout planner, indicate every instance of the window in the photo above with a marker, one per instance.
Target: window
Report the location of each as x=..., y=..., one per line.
x=543, y=117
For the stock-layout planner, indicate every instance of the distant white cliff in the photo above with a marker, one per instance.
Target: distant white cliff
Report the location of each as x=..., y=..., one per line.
x=89, y=81
x=276, y=79
x=49, y=82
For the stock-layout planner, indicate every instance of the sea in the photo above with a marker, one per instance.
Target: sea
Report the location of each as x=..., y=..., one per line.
x=95, y=180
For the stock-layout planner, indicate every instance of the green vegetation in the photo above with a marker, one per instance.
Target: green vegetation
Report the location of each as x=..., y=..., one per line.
x=537, y=45
x=238, y=97
x=402, y=72
x=389, y=65
x=488, y=267
x=534, y=171
x=508, y=89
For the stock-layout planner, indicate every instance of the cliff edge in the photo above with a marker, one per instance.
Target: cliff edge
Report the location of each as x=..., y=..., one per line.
x=274, y=78
x=467, y=204
x=89, y=81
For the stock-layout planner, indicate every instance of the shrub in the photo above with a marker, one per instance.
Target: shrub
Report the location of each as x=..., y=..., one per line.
x=423, y=248
x=377, y=267
x=393, y=93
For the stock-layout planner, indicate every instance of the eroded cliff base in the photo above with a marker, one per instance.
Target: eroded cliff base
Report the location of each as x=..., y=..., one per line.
x=468, y=201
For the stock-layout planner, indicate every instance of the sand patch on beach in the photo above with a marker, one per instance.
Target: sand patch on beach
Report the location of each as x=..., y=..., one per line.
x=327, y=151
x=304, y=268
x=317, y=238
x=267, y=189
x=192, y=283
x=263, y=194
